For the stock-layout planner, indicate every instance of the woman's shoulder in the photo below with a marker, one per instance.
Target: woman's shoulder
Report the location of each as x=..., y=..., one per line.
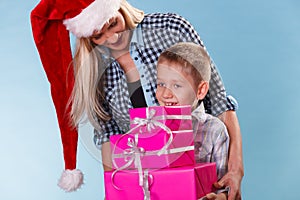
x=163, y=19
x=162, y=15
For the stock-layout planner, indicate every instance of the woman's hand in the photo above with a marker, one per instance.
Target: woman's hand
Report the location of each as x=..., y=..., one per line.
x=127, y=64
x=233, y=181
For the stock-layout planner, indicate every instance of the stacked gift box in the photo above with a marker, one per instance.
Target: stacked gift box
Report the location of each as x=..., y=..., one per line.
x=155, y=158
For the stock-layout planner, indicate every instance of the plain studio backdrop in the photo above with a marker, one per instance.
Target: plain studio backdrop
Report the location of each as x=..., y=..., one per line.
x=255, y=45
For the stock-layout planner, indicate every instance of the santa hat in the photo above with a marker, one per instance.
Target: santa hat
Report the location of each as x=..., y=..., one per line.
x=51, y=22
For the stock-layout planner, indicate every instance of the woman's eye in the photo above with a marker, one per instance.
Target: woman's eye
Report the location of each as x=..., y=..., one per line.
x=113, y=24
x=97, y=37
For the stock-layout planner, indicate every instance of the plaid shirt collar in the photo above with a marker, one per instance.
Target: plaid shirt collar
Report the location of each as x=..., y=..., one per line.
x=137, y=37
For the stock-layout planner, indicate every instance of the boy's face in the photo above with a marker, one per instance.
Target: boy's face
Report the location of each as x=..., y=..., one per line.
x=174, y=86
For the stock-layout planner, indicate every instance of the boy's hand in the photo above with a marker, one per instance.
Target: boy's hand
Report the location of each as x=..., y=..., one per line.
x=213, y=196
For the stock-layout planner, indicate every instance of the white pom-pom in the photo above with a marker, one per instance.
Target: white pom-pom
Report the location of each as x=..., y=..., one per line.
x=70, y=180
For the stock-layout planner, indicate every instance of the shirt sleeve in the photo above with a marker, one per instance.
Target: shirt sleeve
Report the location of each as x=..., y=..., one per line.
x=136, y=94
x=217, y=101
x=211, y=141
x=220, y=150
x=107, y=128
x=116, y=105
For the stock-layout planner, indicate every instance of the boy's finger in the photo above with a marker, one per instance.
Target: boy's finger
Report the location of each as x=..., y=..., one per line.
x=219, y=184
x=211, y=196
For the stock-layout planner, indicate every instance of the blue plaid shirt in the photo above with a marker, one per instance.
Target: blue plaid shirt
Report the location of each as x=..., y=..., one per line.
x=154, y=34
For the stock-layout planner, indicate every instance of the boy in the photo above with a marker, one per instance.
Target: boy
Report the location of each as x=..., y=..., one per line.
x=183, y=74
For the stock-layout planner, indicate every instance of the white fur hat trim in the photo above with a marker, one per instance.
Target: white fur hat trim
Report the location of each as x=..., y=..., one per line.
x=92, y=18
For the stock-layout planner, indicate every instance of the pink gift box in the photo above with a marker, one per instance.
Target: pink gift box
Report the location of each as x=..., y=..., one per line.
x=188, y=183
x=167, y=123
x=161, y=114
x=179, y=153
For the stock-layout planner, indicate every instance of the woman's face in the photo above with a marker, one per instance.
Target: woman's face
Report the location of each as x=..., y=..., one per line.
x=113, y=34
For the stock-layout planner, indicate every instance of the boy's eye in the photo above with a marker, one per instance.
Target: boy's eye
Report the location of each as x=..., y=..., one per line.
x=161, y=85
x=176, y=86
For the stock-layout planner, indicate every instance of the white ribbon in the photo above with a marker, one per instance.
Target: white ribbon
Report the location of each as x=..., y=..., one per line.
x=146, y=187
x=132, y=154
x=151, y=153
x=151, y=122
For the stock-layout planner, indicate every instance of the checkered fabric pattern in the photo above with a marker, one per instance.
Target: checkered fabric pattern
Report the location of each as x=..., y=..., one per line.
x=159, y=31
x=211, y=140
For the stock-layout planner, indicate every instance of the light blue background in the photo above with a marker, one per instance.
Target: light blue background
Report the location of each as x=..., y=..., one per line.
x=256, y=46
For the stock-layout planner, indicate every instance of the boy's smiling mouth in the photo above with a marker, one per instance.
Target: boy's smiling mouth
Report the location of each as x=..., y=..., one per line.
x=170, y=104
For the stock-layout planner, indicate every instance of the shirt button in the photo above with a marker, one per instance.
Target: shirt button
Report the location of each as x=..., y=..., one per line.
x=147, y=90
x=136, y=58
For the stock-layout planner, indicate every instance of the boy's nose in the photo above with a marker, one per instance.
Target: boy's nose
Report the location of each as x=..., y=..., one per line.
x=167, y=93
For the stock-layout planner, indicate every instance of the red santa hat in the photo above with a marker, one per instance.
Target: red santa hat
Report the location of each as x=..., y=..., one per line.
x=51, y=22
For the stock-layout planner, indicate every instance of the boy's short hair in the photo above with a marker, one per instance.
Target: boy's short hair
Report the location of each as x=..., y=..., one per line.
x=192, y=56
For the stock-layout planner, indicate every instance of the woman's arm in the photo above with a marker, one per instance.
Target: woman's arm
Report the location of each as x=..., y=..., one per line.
x=127, y=64
x=235, y=173
x=106, y=156
x=217, y=103
x=135, y=89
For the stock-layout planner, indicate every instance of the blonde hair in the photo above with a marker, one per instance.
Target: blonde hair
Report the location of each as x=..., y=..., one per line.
x=88, y=95
x=132, y=15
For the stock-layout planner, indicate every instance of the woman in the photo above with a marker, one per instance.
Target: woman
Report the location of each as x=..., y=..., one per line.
x=132, y=48
x=119, y=54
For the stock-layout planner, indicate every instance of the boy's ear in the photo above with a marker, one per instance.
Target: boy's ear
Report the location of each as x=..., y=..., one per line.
x=202, y=90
